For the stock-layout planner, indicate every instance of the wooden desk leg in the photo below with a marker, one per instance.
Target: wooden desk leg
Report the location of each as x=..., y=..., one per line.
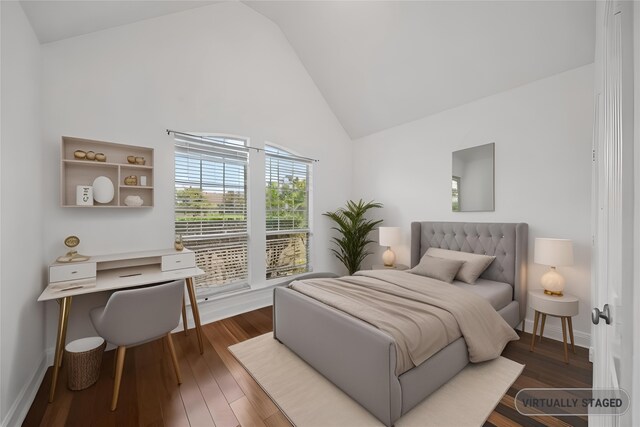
x=63, y=317
x=573, y=345
x=195, y=311
x=564, y=338
x=535, y=330
x=544, y=319
x=185, y=325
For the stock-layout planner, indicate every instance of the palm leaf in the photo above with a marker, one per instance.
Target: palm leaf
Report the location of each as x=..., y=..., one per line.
x=354, y=228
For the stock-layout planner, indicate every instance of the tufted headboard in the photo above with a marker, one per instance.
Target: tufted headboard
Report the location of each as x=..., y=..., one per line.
x=508, y=242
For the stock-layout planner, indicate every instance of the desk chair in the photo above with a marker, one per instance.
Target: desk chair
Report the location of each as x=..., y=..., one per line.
x=138, y=316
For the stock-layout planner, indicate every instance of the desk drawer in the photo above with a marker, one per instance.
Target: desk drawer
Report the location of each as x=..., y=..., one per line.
x=62, y=273
x=178, y=261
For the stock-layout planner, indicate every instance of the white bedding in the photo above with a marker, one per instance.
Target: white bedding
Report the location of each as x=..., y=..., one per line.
x=498, y=294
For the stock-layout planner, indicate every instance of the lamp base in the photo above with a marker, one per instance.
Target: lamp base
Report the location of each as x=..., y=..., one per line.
x=552, y=282
x=388, y=258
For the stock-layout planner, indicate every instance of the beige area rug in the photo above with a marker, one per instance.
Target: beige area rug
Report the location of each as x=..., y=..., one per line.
x=310, y=400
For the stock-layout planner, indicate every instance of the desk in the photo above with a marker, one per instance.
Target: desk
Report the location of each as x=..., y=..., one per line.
x=114, y=272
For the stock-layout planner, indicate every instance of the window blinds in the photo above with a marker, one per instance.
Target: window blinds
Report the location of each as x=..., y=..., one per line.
x=287, y=180
x=211, y=205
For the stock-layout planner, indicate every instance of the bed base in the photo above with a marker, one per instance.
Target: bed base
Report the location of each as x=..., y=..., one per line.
x=361, y=359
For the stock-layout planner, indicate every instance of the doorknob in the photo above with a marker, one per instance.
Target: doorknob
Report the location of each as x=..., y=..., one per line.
x=605, y=314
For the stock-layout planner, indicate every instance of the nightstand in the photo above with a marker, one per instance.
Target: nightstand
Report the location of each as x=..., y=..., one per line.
x=384, y=267
x=564, y=307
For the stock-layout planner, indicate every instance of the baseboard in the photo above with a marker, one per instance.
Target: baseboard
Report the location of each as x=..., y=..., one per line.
x=20, y=407
x=230, y=305
x=555, y=333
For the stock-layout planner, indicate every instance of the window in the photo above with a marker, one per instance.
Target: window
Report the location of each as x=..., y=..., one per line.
x=455, y=194
x=287, y=213
x=211, y=207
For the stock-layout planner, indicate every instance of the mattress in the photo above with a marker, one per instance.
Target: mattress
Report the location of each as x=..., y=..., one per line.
x=498, y=294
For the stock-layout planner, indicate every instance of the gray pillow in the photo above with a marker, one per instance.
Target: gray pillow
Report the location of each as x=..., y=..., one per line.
x=437, y=268
x=474, y=264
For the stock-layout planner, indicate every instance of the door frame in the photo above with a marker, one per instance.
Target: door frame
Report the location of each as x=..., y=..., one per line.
x=627, y=196
x=635, y=391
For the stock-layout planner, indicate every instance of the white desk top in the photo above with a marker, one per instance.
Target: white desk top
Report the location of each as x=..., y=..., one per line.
x=128, y=256
x=122, y=277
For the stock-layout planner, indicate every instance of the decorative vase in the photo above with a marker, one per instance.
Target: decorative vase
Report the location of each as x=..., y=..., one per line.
x=133, y=201
x=103, y=190
x=178, y=243
x=131, y=180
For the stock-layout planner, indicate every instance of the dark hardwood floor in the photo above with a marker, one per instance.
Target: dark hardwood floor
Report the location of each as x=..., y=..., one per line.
x=217, y=391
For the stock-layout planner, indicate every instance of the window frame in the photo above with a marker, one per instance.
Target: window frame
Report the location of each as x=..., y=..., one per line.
x=308, y=230
x=243, y=283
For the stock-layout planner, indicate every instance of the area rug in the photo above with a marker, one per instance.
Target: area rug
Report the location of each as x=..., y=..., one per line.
x=310, y=400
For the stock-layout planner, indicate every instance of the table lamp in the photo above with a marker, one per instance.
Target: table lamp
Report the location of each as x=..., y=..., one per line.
x=554, y=253
x=388, y=236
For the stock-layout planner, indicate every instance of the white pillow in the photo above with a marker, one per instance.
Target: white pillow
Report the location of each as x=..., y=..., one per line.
x=474, y=264
x=437, y=268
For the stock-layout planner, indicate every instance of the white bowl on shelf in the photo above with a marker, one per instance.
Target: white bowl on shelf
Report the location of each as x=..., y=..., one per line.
x=133, y=201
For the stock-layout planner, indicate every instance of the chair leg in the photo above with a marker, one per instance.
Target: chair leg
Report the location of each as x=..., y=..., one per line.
x=174, y=358
x=116, y=385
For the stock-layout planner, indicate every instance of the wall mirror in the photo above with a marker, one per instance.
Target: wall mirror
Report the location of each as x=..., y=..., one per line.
x=472, y=180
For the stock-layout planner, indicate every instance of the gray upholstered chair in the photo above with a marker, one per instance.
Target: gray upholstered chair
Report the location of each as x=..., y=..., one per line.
x=138, y=316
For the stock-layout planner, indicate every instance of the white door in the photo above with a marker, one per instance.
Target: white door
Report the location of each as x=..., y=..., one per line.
x=612, y=275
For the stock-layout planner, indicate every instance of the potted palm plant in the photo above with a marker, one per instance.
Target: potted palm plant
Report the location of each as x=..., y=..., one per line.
x=354, y=231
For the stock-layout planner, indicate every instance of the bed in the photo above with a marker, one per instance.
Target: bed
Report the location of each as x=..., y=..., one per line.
x=361, y=359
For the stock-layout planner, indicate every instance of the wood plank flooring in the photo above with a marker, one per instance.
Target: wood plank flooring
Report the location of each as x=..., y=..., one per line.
x=217, y=391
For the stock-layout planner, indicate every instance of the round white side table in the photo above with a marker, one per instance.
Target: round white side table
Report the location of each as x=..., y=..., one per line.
x=564, y=307
x=394, y=267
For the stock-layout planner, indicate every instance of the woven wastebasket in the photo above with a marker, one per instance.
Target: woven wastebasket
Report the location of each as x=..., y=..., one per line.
x=83, y=359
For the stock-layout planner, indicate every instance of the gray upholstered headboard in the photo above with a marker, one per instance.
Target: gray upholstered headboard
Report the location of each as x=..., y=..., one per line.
x=508, y=242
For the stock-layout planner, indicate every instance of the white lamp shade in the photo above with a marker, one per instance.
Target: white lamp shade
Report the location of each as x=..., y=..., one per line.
x=388, y=236
x=553, y=252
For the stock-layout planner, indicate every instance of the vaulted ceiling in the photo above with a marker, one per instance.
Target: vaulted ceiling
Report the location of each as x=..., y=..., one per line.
x=383, y=63
x=54, y=20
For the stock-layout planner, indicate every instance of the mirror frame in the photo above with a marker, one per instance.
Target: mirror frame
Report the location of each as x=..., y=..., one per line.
x=493, y=179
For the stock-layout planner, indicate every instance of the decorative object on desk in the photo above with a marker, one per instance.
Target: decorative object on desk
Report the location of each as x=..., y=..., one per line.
x=72, y=256
x=91, y=155
x=178, y=243
x=103, y=190
x=354, y=231
x=554, y=253
x=134, y=201
x=101, y=157
x=140, y=161
x=131, y=180
x=84, y=195
x=389, y=236
x=131, y=159
x=79, y=155
x=143, y=180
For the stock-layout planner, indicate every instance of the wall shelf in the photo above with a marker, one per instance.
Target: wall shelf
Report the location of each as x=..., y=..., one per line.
x=74, y=172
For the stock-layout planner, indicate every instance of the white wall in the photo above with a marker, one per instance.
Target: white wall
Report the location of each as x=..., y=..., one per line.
x=543, y=134
x=221, y=68
x=22, y=276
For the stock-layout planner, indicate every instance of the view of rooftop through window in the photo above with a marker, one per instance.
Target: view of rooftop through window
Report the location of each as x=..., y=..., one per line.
x=211, y=207
x=287, y=213
x=211, y=191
